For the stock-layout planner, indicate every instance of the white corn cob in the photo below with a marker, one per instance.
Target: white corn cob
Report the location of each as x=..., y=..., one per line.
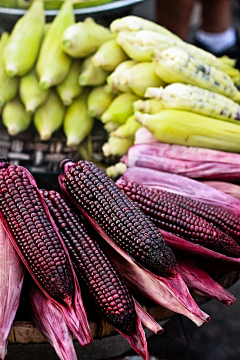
x=177, y=65
x=193, y=98
x=113, y=80
x=136, y=23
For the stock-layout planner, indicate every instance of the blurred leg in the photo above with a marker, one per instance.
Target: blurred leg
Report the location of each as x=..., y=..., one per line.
x=216, y=15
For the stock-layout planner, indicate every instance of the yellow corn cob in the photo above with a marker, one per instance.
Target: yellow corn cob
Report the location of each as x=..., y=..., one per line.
x=113, y=80
x=135, y=52
x=77, y=123
x=149, y=106
x=116, y=146
x=84, y=38
x=193, y=98
x=136, y=23
x=120, y=108
x=14, y=117
x=116, y=170
x=53, y=63
x=8, y=85
x=69, y=88
x=109, y=55
x=30, y=92
x=92, y=75
x=128, y=129
x=98, y=101
x=23, y=46
x=139, y=77
x=49, y=117
x=177, y=65
x=110, y=126
x=191, y=129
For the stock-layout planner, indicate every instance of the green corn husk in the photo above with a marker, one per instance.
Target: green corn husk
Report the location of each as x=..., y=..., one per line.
x=53, y=63
x=149, y=106
x=8, y=3
x=120, y=108
x=191, y=129
x=113, y=80
x=30, y=92
x=83, y=38
x=25, y=39
x=98, y=101
x=14, y=117
x=128, y=129
x=91, y=75
x=139, y=77
x=49, y=117
x=70, y=88
x=116, y=146
x=8, y=85
x=109, y=55
x=110, y=126
x=77, y=123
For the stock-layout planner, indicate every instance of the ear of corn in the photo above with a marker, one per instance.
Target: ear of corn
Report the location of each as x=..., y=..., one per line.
x=69, y=88
x=134, y=51
x=24, y=42
x=120, y=108
x=77, y=124
x=83, y=38
x=177, y=65
x=8, y=85
x=128, y=129
x=11, y=280
x=113, y=80
x=191, y=129
x=91, y=75
x=116, y=146
x=98, y=101
x=30, y=92
x=49, y=117
x=109, y=55
x=193, y=98
x=139, y=77
x=14, y=117
x=53, y=63
x=115, y=216
x=136, y=23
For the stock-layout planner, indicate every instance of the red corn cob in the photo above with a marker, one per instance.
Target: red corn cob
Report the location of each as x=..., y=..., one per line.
x=116, y=216
x=38, y=243
x=106, y=288
x=175, y=219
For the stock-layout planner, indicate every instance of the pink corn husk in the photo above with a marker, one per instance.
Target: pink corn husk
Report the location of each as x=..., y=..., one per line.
x=11, y=282
x=74, y=312
x=182, y=185
x=51, y=323
x=147, y=320
x=144, y=136
x=171, y=293
x=198, y=280
x=226, y=187
x=196, y=163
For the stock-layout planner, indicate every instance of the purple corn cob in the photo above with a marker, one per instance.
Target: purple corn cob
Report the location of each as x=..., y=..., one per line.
x=105, y=285
x=116, y=215
x=38, y=243
x=171, y=217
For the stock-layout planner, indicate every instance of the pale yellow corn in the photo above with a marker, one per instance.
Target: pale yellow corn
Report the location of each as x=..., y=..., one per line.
x=113, y=80
x=116, y=146
x=191, y=129
x=177, y=65
x=128, y=129
x=193, y=98
x=149, y=106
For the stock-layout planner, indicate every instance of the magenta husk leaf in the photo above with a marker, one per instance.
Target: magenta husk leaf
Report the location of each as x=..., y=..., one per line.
x=198, y=280
x=11, y=282
x=144, y=136
x=147, y=320
x=225, y=186
x=155, y=179
x=196, y=163
x=73, y=311
x=51, y=323
x=171, y=293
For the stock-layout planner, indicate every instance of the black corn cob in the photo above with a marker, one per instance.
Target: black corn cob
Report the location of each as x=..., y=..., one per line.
x=34, y=234
x=171, y=217
x=99, y=197
x=106, y=288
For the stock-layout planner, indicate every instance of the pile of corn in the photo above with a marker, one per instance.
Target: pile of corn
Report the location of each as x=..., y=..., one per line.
x=134, y=74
